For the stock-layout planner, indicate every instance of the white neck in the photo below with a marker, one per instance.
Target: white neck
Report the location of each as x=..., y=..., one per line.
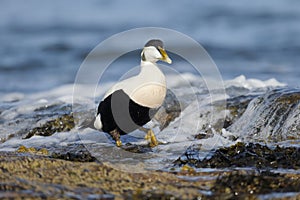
x=150, y=71
x=147, y=63
x=150, y=88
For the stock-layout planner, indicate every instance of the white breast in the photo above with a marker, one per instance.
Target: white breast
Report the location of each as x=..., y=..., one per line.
x=150, y=95
x=148, y=88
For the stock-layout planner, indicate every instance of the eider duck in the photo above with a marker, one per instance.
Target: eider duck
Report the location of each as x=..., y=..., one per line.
x=128, y=104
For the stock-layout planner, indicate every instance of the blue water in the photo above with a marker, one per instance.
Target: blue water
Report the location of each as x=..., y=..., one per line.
x=43, y=43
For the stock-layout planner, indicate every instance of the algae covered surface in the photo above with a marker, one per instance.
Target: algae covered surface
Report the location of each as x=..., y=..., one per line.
x=60, y=124
x=32, y=176
x=38, y=174
x=245, y=155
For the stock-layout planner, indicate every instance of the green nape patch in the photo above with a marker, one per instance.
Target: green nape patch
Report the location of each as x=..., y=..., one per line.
x=60, y=124
x=244, y=155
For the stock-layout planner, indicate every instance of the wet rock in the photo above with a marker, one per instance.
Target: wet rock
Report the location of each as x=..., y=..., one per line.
x=222, y=113
x=28, y=176
x=61, y=124
x=205, y=135
x=187, y=168
x=149, y=195
x=23, y=149
x=136, y=148
x=42, y=177
x=57, y=108
x=72, y=152
x=17, y=120
x=239, y=184
x=75, y=152
x=237, y=106
x=85, y=118
x=273, y=117
x=170, y=110
x=244, y=155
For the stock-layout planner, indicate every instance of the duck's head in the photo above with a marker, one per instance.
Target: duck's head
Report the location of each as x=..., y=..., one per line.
x=154, y=51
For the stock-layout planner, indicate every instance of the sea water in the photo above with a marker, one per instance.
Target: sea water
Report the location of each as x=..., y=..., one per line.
x=42, y=44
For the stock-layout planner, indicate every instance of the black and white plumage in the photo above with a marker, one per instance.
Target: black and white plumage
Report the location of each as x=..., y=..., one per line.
x=127, y=105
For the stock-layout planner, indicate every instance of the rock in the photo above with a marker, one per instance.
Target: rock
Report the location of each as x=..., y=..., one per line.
x=206, y=135
x=136, y=148
x=74, y=152
x=237, y=106
x=30, y=176
x=273, y=117
x=41, y=177
x=61, y=124
x=23, y=149
x=170, y=110
x=241, y=185
x=244, y=155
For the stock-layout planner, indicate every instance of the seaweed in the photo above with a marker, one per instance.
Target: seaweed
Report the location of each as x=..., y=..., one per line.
x=240, y=184
x=244, y=155
x=63, y=123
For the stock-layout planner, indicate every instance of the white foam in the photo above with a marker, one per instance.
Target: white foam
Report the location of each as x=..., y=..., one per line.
x=242, y=81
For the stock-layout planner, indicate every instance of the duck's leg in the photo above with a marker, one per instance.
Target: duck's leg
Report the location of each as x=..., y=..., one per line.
x=150, y=136
x=116, y=136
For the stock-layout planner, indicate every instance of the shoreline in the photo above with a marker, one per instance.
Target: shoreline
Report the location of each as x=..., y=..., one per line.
x=27, y=175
